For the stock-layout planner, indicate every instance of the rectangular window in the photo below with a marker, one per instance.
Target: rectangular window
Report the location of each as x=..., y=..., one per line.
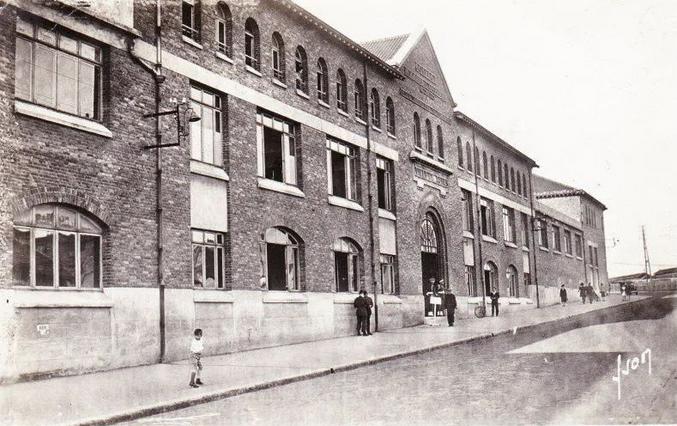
x=508, y=224
x=90, y=264
x=567, y=242
x=470, y=280
x=526, y=230
x=189, y=18
x=208, y=259
x=579, y=246
x=557, y=238
x=342, y=167
x=57, y=71
x=384, y=177
x=44, y=258
x=21, y=262
x=487, y=218
x=387, y=274
x=276, y=149
x=468, y=221
x=206, y=140
x=66, y=259
x=596, y=259
x=543, y=234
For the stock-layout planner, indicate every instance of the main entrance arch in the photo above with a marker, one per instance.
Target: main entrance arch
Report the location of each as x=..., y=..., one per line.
x=432, y=259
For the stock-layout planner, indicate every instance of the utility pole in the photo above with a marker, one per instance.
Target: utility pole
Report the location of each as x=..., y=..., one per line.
x=647, y=263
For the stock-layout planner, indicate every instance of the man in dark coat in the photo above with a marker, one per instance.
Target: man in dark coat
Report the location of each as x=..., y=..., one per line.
x=370, y=304
x=582, y=290
x=450, y=306
x=361, y=309
x=494, y=296
x=563, y=295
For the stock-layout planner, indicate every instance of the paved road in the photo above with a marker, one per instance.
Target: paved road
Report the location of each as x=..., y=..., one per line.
x=546, y=375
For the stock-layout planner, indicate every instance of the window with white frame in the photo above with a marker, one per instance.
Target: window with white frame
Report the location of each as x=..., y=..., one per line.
x=252, y=44
x=206, y=140
x=487, y=218
x=224, y=30
x=387, y=274
x=543, y=234
x=57, y=70
x=341, y=91
x=567, y=242
x=384, y=180
x=56, y=246
x=276, y=146
x=190, y=19
x=208, y=259
x=281, y=260
x=375, y=108
x=278, y=58
x=509, y=224
x=390, y=116
x=347, y=264
x=468, y=221
x=557, y=238
x=342, y=166
x=322, y=81
x=301, y=69
x=579, y=245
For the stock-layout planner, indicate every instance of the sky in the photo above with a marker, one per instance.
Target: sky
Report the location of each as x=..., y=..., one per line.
x=585, y=88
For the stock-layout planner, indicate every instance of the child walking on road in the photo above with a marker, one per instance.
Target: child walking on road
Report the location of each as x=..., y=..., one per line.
x=196, y=348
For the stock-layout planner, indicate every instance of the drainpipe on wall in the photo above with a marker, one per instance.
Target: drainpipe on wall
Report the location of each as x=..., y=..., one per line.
x=533, y=236
x=158, y=78
x=370, y=199
x=475, y=164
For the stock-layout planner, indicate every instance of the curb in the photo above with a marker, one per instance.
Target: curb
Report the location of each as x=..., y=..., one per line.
x=223, y=394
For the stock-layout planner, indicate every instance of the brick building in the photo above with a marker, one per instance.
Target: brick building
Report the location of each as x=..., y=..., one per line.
x=301, y=167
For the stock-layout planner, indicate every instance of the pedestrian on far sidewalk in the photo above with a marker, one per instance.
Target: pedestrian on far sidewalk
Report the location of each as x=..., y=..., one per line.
x=494, y=296
x=370, y=304
x=450, y=306
x=563, y=295
x=582, y=290
x=602, y=291
x=196, y=348
x=591, y=293
x=361, y=310
x=623, y=297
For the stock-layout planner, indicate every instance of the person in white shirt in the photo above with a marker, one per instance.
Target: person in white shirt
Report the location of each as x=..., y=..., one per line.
x=196, y=348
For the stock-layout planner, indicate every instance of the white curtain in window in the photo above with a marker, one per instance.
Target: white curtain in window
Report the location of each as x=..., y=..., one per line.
x=208, y=203
x=386, y=233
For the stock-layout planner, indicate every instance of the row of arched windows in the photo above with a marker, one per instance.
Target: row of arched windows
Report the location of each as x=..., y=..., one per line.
x=432, y=146
x=252, y=54
x=496, y=171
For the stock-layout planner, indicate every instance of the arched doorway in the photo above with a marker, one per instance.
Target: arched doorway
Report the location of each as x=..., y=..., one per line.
x=432, y=259
x=490, y=277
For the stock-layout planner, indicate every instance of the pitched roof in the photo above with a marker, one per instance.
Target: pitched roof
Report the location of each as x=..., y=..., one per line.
x=667, y=271
x=638, y=276
x=386, y=48
x=559, y=190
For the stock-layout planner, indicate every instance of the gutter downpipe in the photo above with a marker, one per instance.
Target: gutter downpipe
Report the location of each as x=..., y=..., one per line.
x=479, y=229
x=370, y=198
x=533, y=236
x=158, y=78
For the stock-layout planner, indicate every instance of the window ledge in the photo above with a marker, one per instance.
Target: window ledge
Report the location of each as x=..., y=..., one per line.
x=556, y=252
x=415, y=155
x=282, y=187
x=391, y=136
x=489, y=239
x=514, y=301
x=385, y=214
x=302, y=94
x=224, y=57
x=253, y=71
x=389, y=299
x=525, y=248
x=61, y=118
x=509, y=244
x=345, y=298
x=210, y=170
x=280, y=296
x=359, y=120
x=323, y=103
x=279, y=83
x=543, y=248
x=342, y=202
x=468, y=234
x=342, y=112
x=579, y=258
x=376, y=128
x=568, y=255
x=191, y=42
x=212, y=296
x=61, y=298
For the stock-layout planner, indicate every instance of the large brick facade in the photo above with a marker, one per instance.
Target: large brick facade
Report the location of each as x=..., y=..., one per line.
x=145, y=311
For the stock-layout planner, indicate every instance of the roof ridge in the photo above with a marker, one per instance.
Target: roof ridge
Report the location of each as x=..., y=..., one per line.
x=375, y=40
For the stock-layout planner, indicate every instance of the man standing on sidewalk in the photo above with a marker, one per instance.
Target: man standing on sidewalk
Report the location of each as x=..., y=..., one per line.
x=360, y=305
x=450, y=306
x=494, y=296
x=581, y=292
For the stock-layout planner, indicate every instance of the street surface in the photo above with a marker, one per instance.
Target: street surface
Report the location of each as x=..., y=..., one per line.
x=553, y=375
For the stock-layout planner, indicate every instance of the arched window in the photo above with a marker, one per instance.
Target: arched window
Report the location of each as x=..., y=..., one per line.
x=440, y=142
x=428, y=235
x=341, y=91
x=252, y=43
x=417, y=130
x=430, y=145
x=56, y=246
x=359, y=100
x=278, y=57
x=512, y=179
x=347, y=265
x=525, y=191
x=490, y=277
x=493, y=169
x=513, y=283
x=485, y=165
x=390, y=116
x=468, y=156
x=224, y=30
x=301, y=70
x=519, y=183
x=459, y=148
x=322, y=81
x=500, y=173
x=375, y=105
x=506, y=174
x=281, y=254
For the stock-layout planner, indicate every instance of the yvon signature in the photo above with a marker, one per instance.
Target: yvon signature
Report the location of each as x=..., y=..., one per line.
x=630, y=364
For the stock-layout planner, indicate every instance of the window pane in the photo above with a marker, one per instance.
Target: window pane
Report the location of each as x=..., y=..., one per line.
x=89, y=52
x=22, y=87
x=44, y=216
x=90, y=261
x=207, y=135
x=66, y=259
x=45, y=76
x=273, y=154
x=219, y=267
x=276, y=265
x=87, y=85
x=21, y=262
x=44, y=258
x=210, y=277
x=338, y=174
x=67, y=88
x=68, y=44
x=24, y=27
x=46, y=36
x=197, y=266
x=66, y=219
x=291, y=268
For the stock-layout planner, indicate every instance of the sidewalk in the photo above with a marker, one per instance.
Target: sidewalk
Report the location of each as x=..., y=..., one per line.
x=129, y=393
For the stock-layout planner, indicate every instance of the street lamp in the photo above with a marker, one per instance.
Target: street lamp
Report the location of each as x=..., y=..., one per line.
x=184, y=116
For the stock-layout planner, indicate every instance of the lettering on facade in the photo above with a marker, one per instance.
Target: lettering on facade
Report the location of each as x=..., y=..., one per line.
x=431, y=175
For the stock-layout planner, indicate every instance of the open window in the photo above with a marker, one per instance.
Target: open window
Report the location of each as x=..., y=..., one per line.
x=347, y=265
x=276, y=148
x=281, y=251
